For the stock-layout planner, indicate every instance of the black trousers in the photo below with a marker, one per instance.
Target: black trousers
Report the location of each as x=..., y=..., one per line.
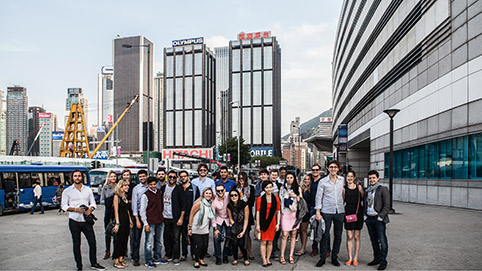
x=171, y=238
x=241, y=244
x=83, y=227
x=185, y=240
x=200, y=242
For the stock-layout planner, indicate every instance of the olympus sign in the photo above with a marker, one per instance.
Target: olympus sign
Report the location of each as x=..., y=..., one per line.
x=184, y=42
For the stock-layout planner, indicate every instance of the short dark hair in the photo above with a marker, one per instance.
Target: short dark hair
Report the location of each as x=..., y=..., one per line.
x=72, y=175
x=263, y=171
x=264, y=184
x=161, y=170
x=220, y=184
x=282, y=168
x=142, y=171
x=151, y=180
x=172, y=171
x=316, y=165
x=183, y=171
x=373, y=172
x=201, y=165
x=223, y=167
x=351, y=171
x=333, y=162
x=275, y=171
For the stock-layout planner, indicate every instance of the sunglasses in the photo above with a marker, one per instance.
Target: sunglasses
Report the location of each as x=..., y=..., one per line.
x=219, y=191
x=172, y=177
x=233, y=196
x=315, y=170
x=203, y=170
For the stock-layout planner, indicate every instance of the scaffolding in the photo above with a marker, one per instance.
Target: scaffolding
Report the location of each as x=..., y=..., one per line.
x=75, y=143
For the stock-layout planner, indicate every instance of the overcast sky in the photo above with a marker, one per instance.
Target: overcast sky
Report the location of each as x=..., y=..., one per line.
x=49, y=46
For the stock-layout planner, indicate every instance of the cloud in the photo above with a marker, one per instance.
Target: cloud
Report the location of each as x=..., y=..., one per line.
x=216, y=41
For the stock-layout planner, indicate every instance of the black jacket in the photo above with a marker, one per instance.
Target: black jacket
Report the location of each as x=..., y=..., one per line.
x=186, y=201
x=381, y=203
x=175, y=201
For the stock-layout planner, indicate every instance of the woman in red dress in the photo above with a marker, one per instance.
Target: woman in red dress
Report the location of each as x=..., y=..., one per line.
x=267, y=220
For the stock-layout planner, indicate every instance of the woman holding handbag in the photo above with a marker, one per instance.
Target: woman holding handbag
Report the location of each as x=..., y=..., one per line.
x=123, y=223
x=238, y=212
x=353, y=198
x=290, y=195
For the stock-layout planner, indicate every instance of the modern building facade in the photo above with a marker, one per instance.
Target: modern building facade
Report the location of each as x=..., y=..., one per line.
x=105, y=97
x=49, y=122
x=3, y=123
x=76, y=96
x=33, y=127
x=17, y=118
x=190, y=95
x=158, y=112
x=255, y=90
x=133, y=66
x=222, y=87
x=424, y=58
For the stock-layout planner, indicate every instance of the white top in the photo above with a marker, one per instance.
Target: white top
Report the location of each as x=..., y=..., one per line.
x=37, y=191
x=144, y=202
x=371, y=206
x=204, y=228
x=167, y=198
x=73, y=198
x=329, y=197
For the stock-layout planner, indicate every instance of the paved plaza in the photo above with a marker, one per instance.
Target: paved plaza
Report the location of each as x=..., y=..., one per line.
x=420, y=237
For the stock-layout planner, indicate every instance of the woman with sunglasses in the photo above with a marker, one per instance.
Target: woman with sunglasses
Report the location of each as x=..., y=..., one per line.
x=199, y=218
x=238, y=212
x=306, y=192
x=220, y=223
x=290, y=195
x=267, y=220
x=246, y=194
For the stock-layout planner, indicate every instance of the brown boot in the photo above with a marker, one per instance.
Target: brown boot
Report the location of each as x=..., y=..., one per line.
x=107, y=254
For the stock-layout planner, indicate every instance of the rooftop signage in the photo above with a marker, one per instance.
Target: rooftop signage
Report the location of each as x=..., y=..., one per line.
x=44, y=115
x=107, y=70
x=185, y=42
x=255, y=35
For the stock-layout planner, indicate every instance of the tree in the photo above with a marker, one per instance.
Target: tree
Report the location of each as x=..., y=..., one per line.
x=266, y=160
x=232, y=149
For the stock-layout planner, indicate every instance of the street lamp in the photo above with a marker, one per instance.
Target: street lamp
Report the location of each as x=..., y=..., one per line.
x=239, y=132
x=391, y=114
x=148, y=46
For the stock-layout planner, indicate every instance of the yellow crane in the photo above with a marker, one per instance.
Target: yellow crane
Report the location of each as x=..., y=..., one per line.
x=74, y=143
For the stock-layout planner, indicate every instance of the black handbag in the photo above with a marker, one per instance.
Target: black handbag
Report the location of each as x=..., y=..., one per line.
x=236, y=228
x=89, y=218
x=110, y=228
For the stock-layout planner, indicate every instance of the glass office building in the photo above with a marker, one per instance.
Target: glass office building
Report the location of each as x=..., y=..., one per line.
x=255, y=87
x=424, y=58
x=189, y=97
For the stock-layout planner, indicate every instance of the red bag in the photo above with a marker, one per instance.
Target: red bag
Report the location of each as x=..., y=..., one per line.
x=353, y=218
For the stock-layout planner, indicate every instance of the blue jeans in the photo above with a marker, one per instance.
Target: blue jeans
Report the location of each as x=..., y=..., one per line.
x=39, y=201
x=223, y=229
x=337, y=220
x=378, y=237
x=153, y=240
x=136, y=241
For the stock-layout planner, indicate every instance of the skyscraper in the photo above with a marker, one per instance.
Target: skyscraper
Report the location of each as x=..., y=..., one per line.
x=255, y=86
x=33, y=128
x=17, y=109
x=133, y=62
x=222, y=86
x=105, y=97
x=74, y=96
x=3, y=123
x=49, y=122
x=189, y=97
x=158, y=111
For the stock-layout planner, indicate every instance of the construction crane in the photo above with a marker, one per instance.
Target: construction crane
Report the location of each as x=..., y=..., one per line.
x=36, y=137
x=115, y=125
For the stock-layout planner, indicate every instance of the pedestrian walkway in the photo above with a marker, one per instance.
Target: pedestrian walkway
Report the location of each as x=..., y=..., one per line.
x=420, y=237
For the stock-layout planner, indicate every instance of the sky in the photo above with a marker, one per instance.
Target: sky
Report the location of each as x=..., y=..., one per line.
x=50, y=45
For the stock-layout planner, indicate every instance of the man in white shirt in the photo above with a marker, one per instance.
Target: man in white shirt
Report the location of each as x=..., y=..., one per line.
x=329, y=206
x=37, y=194
x=73, y=198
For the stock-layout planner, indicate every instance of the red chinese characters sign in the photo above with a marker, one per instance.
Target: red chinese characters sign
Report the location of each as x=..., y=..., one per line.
x=256, y=35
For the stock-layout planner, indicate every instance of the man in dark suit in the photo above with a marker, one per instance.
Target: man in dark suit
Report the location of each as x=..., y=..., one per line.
x=377, y=205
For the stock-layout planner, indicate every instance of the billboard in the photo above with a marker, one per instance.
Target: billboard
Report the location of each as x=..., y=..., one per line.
x=101, y=155
x=44, y=115
x=57, y=135
x=185, y=42
x=201, y=152
x=260, y=151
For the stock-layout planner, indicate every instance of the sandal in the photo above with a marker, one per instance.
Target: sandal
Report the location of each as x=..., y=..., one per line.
x=119, y=266
x=246, y=263
x=300, y=253
x=270, y=264
x=282, y=260
x=235, y=262
x=124, y=264
x=195, y=266
x=292, y=260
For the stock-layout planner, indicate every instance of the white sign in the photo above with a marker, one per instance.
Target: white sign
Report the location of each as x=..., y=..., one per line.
x=197, y=152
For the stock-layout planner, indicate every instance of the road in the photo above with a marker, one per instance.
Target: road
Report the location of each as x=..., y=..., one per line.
x=420, y=237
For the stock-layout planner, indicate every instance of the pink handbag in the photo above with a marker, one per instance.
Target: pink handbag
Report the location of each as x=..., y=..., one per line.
x=353, y=218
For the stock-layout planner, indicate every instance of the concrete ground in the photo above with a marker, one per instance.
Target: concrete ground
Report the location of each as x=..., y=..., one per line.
x=420, y=237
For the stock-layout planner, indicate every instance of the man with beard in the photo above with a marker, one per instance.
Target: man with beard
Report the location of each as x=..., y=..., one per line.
x=137, y=193
x=172, y=217
x=187, y=198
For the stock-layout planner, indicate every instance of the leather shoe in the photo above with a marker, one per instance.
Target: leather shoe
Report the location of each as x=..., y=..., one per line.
x=372, y=263
x=335, y=262
x=382, y=266
x=137, y=263
x=218, y=261
x=225, y=260
x=320, y=263
x=314, y=253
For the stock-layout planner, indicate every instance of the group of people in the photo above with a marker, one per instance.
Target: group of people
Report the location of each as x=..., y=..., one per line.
x=177, y=215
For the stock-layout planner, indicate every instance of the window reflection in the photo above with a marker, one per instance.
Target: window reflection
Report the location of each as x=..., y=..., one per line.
x=257, y=58
x=179, y=65
x=188, y=64
x=246, y=125
x=247, y=59
x=257, y=91
x=268, y=87
x=179, y=93
x=188, y=132
x=198, y=128
x=257, y=132
x=188, y=93
x=246, y=89
x=236, y=60
x=267, y=59
x=268, y=125
x=179, y=128
x=198, y=96
x=169, y=94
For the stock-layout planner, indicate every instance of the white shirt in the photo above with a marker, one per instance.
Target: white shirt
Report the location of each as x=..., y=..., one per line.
x=167, y=199
x=329, y=197
x=201, y=185
x=37, y=191
x=73, y=198
x=144, y=203
x=371, y=206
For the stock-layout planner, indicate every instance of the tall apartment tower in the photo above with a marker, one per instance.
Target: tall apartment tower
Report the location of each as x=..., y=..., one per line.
x=33, y=128
x=105, y=97
x=255, y=86
x=190, y=95
x=17, y=114
x=74, y=96
x=158, y=111
x=3, y=123
x=222, y=86
x=49, y=122
x=133, y=63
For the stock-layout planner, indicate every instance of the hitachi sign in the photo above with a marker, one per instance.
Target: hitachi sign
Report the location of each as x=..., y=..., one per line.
x=201, y=152
x=184, y=42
